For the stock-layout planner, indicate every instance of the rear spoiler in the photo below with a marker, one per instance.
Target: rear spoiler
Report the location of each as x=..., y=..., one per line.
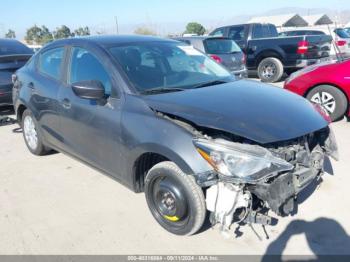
x=13, y=61
x=14, y=57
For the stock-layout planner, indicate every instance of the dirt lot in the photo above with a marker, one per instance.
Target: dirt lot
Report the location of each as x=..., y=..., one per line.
x=55, y=205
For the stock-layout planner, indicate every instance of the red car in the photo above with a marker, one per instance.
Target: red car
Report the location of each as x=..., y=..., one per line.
x=325, y=84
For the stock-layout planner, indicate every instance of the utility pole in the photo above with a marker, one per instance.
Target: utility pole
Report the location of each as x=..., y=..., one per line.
x=116, y=23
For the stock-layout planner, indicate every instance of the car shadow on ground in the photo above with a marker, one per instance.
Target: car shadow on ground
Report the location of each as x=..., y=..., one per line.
x=324, y=236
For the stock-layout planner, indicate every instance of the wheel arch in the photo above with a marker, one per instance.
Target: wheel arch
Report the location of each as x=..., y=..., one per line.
x=266, y=54
x=20, y=110
x=147, y=158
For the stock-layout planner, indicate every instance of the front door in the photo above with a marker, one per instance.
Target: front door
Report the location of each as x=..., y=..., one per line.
x=91, y=129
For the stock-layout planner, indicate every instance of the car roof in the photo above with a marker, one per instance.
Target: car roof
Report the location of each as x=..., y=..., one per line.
x=108, y=40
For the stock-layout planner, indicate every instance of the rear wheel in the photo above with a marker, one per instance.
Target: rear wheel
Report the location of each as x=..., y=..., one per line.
x=32, y=135
x=331, y=99
x=270, y=70
x=174, y=199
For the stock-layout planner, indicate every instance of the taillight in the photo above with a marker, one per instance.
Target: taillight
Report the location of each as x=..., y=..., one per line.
x=302, y=47
x=216, y=58
x=340, y=43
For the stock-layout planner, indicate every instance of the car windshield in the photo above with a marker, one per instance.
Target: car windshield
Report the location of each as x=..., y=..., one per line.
x=221, y=46
x=170, y=66
x=342, y=33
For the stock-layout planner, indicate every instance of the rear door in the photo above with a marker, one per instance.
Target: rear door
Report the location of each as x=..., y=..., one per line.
x=43, y=86
x=90, y=128
x=239, y=34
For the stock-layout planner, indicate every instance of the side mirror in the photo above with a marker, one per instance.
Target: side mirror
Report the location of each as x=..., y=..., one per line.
x=91, y=89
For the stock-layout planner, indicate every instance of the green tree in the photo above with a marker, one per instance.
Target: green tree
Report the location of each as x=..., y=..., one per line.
x=195, y=28
x=62, y=32
x=144, y=31
x=10, y=34
x=81, y=31
x=33, y=35
x=46, y=35
x=38, y=35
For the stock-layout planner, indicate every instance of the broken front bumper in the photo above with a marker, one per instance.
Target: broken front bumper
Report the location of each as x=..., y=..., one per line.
x=280, y=194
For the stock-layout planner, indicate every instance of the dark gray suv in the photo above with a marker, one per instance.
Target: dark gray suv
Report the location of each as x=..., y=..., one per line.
x=164, y=119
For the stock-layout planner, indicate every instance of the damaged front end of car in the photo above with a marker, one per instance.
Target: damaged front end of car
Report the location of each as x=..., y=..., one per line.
x=250, y=178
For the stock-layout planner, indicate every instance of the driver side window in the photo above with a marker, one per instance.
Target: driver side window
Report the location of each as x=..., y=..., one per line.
x=85, y=66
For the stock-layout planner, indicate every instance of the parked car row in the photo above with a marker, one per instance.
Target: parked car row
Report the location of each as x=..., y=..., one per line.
x=341, y=39
x=272, y=55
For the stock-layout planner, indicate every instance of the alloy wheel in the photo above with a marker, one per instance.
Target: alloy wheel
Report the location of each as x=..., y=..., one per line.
x=269, y=70
x=325, y=100
x=30, y=132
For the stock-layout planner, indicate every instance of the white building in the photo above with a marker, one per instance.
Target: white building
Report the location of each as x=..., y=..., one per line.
x=289, y=20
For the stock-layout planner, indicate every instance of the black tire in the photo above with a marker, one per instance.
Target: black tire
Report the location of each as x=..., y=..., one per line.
x=185, y=214
x=270, y=70
x=340, y=100
x=40, y=149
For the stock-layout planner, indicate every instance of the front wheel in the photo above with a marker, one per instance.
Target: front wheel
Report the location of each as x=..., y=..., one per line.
x=174, y=199
x=270, y=70
x=331, y=99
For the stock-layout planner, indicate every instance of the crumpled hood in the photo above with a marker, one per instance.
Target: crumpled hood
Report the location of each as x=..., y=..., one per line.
x=256, y=111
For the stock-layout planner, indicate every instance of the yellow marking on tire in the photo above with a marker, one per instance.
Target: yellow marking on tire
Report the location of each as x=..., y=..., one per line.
x=172, y=219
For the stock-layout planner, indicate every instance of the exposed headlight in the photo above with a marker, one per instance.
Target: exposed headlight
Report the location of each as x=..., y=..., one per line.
x=240, y=162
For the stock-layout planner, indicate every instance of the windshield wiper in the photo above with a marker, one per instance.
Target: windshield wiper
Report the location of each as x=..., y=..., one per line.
x=209, y=83
x=161, y=90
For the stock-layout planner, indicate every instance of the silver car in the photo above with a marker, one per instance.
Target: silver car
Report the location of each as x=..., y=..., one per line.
x=223, y=50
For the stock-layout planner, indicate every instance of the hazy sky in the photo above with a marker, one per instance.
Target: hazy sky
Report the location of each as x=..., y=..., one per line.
x=21, y=14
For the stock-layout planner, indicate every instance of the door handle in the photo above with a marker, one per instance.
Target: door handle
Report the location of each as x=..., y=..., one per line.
x=66, y=103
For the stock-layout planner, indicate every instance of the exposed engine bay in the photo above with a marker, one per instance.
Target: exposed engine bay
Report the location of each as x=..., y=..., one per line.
x=249, y=179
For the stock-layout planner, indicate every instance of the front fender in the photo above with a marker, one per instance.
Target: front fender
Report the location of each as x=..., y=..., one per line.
x=146, y=132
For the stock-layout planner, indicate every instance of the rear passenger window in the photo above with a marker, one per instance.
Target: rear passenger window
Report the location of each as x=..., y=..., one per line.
x=237, y=33
x=50, y=62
